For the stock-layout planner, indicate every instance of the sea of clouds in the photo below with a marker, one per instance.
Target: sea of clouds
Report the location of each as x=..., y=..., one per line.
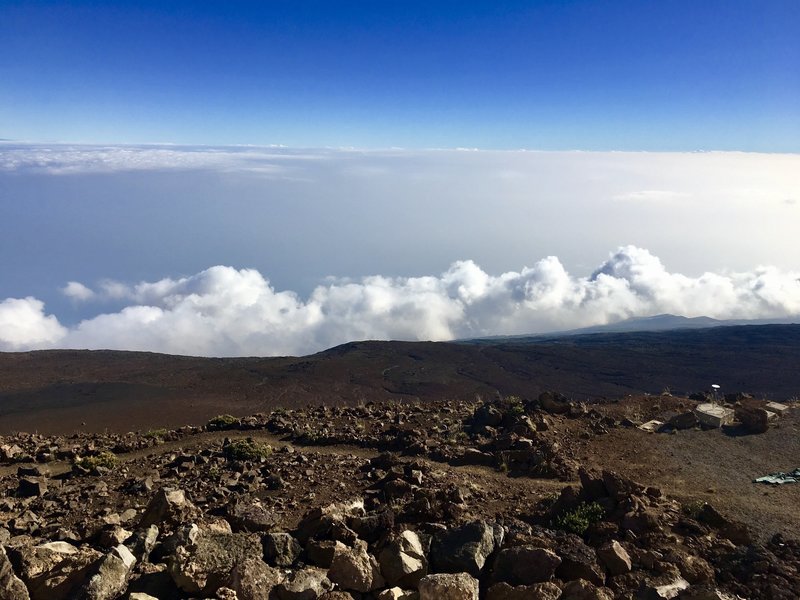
x=160, y=209
x=224, y=311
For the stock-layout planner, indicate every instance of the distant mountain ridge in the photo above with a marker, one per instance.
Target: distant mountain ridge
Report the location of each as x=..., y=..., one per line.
x=663, y=322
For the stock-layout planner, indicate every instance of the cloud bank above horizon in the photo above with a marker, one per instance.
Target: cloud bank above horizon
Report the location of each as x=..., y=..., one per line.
x=224, y=311
x=84, y=223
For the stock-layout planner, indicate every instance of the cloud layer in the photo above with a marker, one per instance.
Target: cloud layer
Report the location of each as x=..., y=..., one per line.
x=223, y=311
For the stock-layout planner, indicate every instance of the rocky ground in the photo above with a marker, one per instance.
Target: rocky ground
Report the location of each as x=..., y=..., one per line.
x=505, y=499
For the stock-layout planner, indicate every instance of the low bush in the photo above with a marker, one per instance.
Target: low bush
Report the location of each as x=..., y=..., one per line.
x=222, y=422
x=692, y=508
x=104, y=460
x=578, y=520
x=247, y=449
x=514, y=405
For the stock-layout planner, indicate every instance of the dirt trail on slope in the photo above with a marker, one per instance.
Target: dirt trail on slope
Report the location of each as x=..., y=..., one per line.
x=485, y=475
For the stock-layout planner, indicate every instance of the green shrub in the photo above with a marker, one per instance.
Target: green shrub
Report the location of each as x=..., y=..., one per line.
x=692, y=508
x=105, y=460
x=247, y=449
x=578, y=520
x=156, y=434
x=514, y=405
x=222, y=422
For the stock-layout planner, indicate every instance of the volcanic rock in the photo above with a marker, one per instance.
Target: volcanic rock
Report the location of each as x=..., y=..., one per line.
x=578, y=561
x=615, y=558
x=167, y=505
x=580, y=589
x=465, y=548
x=448, y=586
x=354, y=568
x=11, y=587
x=306, y=584
x=51, y=571
x=252, y=579
x=204, y=564
x=112, y=575
x=280, y=549
x=403, y=561
x=525, y=565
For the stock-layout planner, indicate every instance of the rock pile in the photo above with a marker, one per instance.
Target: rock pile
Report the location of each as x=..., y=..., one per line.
x=278, y=523
x=411, y=534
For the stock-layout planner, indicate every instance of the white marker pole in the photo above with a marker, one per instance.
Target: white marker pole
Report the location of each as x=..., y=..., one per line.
x=716, y=390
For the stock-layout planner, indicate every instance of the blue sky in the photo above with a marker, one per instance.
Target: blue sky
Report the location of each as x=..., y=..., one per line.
x=667, y=75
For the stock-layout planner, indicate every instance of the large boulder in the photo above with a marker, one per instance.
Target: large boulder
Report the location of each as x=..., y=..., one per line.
x=615, y=558
x=54, y=570
x=403, y=561
x=142, y=542
x=252, y=579
x=525, y=565
x=354, y=568
x=755, y=419
x=205, y=562
x=536, y=591
x=578, y=561
x=280, y=549
x=448, y=586
x=306, y=584
x=318, y=522
x=168, y=505
x=11, y=586
x=250, y=517
x=553, y=402
x=112, y=575
x=685, y=420
x=696, y=569
x=465, y=548
x=31, y=486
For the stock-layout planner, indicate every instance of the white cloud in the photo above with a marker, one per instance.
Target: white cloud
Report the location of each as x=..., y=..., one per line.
x=77, y=291
x=65, y=159
x=25, y=326
x=225, y=311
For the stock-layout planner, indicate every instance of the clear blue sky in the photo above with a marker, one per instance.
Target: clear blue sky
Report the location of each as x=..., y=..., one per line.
x=638, y=75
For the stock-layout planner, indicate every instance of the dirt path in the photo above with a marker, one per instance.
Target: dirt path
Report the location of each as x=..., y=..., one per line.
x=194, y=442
x=486, y=475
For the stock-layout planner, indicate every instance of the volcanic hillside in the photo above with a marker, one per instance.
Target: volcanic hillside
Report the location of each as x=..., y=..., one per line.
x=61, y=391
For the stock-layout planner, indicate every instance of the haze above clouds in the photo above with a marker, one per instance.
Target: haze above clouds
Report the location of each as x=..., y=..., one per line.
x=327, y=246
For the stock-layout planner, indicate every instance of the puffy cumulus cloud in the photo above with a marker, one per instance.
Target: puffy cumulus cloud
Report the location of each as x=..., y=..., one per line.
x=25, y=326
x=227, y=311
x=77, y=291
